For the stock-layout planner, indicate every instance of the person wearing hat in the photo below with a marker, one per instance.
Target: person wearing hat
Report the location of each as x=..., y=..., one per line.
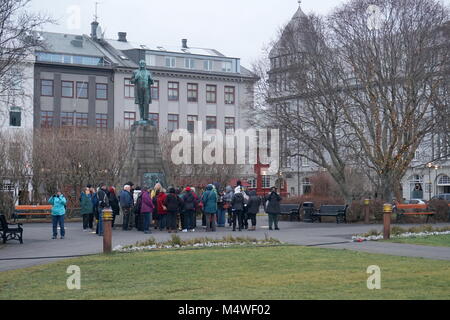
x=173, y=203
x=190, y=206
x=273, y=209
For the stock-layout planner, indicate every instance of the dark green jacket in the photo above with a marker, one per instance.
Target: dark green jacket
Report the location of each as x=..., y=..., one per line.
x=86, y=204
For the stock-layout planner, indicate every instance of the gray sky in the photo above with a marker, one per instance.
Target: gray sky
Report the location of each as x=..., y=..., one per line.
x=237, y=28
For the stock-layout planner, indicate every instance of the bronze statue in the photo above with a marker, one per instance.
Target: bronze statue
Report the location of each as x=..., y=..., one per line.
x=142, y=80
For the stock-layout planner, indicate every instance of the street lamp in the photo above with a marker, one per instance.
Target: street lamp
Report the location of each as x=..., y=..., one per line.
x=429, y=165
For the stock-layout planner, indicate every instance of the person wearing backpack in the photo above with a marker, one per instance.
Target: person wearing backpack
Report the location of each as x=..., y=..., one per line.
x=273, y=209
x=238, y=210
x=103, y=203
x=147, y=208
x=209, y=200
x=190, y=206
x=173, y=203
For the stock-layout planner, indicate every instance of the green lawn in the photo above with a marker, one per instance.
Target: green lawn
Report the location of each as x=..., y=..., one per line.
x=437, y=241
x=282, y=272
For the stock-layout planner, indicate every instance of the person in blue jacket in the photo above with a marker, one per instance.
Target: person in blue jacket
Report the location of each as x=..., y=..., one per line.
x=209, y=200
x=58, y=201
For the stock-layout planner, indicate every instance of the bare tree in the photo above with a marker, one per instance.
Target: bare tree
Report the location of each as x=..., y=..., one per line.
x=18, y=40
x=352, y=97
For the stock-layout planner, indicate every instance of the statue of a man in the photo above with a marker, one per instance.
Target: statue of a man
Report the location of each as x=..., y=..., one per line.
x=142, y=80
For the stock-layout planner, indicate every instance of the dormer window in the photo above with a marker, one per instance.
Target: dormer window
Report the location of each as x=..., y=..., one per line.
x=170, y=62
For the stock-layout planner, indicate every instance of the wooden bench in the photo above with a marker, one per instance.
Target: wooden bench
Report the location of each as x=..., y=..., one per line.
x=9, y=233
x=338, y=211
x=413, y=209
x=33, y=211
x=293, y=210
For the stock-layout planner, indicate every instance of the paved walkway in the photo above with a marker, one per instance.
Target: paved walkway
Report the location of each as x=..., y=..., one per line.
x=37, y=242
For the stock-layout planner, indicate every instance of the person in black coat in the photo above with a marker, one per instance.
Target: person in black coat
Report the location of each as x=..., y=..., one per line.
x=254, y=203
x=114, y=203
x=273, y=209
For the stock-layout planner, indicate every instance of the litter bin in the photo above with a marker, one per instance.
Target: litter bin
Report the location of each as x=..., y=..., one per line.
x=308, y=211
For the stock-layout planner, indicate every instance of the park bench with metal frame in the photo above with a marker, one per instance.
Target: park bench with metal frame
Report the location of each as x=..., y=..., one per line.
x=403, y=210
x=293, y=210
x=338, y=211
x=32, y=211
x=10, y=233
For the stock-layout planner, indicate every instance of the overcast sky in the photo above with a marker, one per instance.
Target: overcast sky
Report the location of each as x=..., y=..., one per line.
x=237, y=28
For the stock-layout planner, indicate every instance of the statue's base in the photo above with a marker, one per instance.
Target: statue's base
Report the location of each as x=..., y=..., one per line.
x=145, y=166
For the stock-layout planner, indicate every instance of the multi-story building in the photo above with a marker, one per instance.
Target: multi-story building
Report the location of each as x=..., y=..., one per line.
x=424, y=179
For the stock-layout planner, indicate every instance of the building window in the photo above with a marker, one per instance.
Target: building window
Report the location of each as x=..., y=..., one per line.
x=229, y=95
x=252, y=183
x=189, y=63
x=66, y=119
x=46, y=119
x=306, y=183
x=67, y=89
x=171, y=62
x=129, y=89
x=81, y=120
x=226, y=66
x=172, y=122
x=305, y=162
x=101, y=91
x=155, y=90
x=211, y=93
x=208, y=65
x=266, y=182
x=15, y=117
x=230, y=125
x=47, y=88
x=150, y=59
x=211, y=123
x=82, y=90
x=101, y=120
x=155, y=118
x=129, y=119
x=173, y=91
x=191, y=120
x=192, y=92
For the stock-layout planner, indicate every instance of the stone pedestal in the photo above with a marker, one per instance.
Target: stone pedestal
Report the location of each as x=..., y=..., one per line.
x=145, y=166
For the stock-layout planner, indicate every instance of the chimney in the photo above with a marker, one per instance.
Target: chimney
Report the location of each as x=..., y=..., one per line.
x=122, y=36
x=94, y=26
x=184, y=43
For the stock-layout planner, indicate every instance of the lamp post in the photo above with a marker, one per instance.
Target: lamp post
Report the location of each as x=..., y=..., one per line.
x=436, y=168
x=429, y=165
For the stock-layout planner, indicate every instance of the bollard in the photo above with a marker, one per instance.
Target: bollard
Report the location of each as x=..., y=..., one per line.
x=366, y=211
x=387, y=211
x=107, y=230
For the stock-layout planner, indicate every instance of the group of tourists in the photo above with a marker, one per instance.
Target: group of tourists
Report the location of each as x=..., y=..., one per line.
x=171, y=210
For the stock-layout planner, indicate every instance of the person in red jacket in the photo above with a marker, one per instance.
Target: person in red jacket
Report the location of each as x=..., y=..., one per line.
x=162, y=210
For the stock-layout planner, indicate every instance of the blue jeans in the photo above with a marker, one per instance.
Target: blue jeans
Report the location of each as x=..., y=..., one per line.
x=221, y=218
x=162, y=222
x=58, y=220
x=189, y=219
x=100, y=221
x=147, y=220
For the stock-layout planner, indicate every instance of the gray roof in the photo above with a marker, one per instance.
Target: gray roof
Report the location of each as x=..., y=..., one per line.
x=64, y=43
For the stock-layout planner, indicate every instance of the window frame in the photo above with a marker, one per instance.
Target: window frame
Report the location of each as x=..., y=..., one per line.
x=157, y=118
x=100, y=122
x=189, y=90
x=169, y=90
x=190, y=120
x=211, y=92
x=130, y=87
x=65, y=87
x=173, y=121
x=52, y=86
x=228, y=123
x=208, y=122
x=153, y=87
x=126, y=120
x=48, y=119
x=77, y=91
x=65, y=117
x=226, y=94
x=97, y=90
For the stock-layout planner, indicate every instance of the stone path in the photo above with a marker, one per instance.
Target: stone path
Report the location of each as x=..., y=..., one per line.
x=37, y=242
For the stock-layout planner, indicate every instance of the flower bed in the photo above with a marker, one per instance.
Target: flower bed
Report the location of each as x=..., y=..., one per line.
x=177, y=243
x=400, y=233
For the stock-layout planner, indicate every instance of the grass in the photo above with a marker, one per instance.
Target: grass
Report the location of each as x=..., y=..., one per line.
x=280, y=272
x=436, y=241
